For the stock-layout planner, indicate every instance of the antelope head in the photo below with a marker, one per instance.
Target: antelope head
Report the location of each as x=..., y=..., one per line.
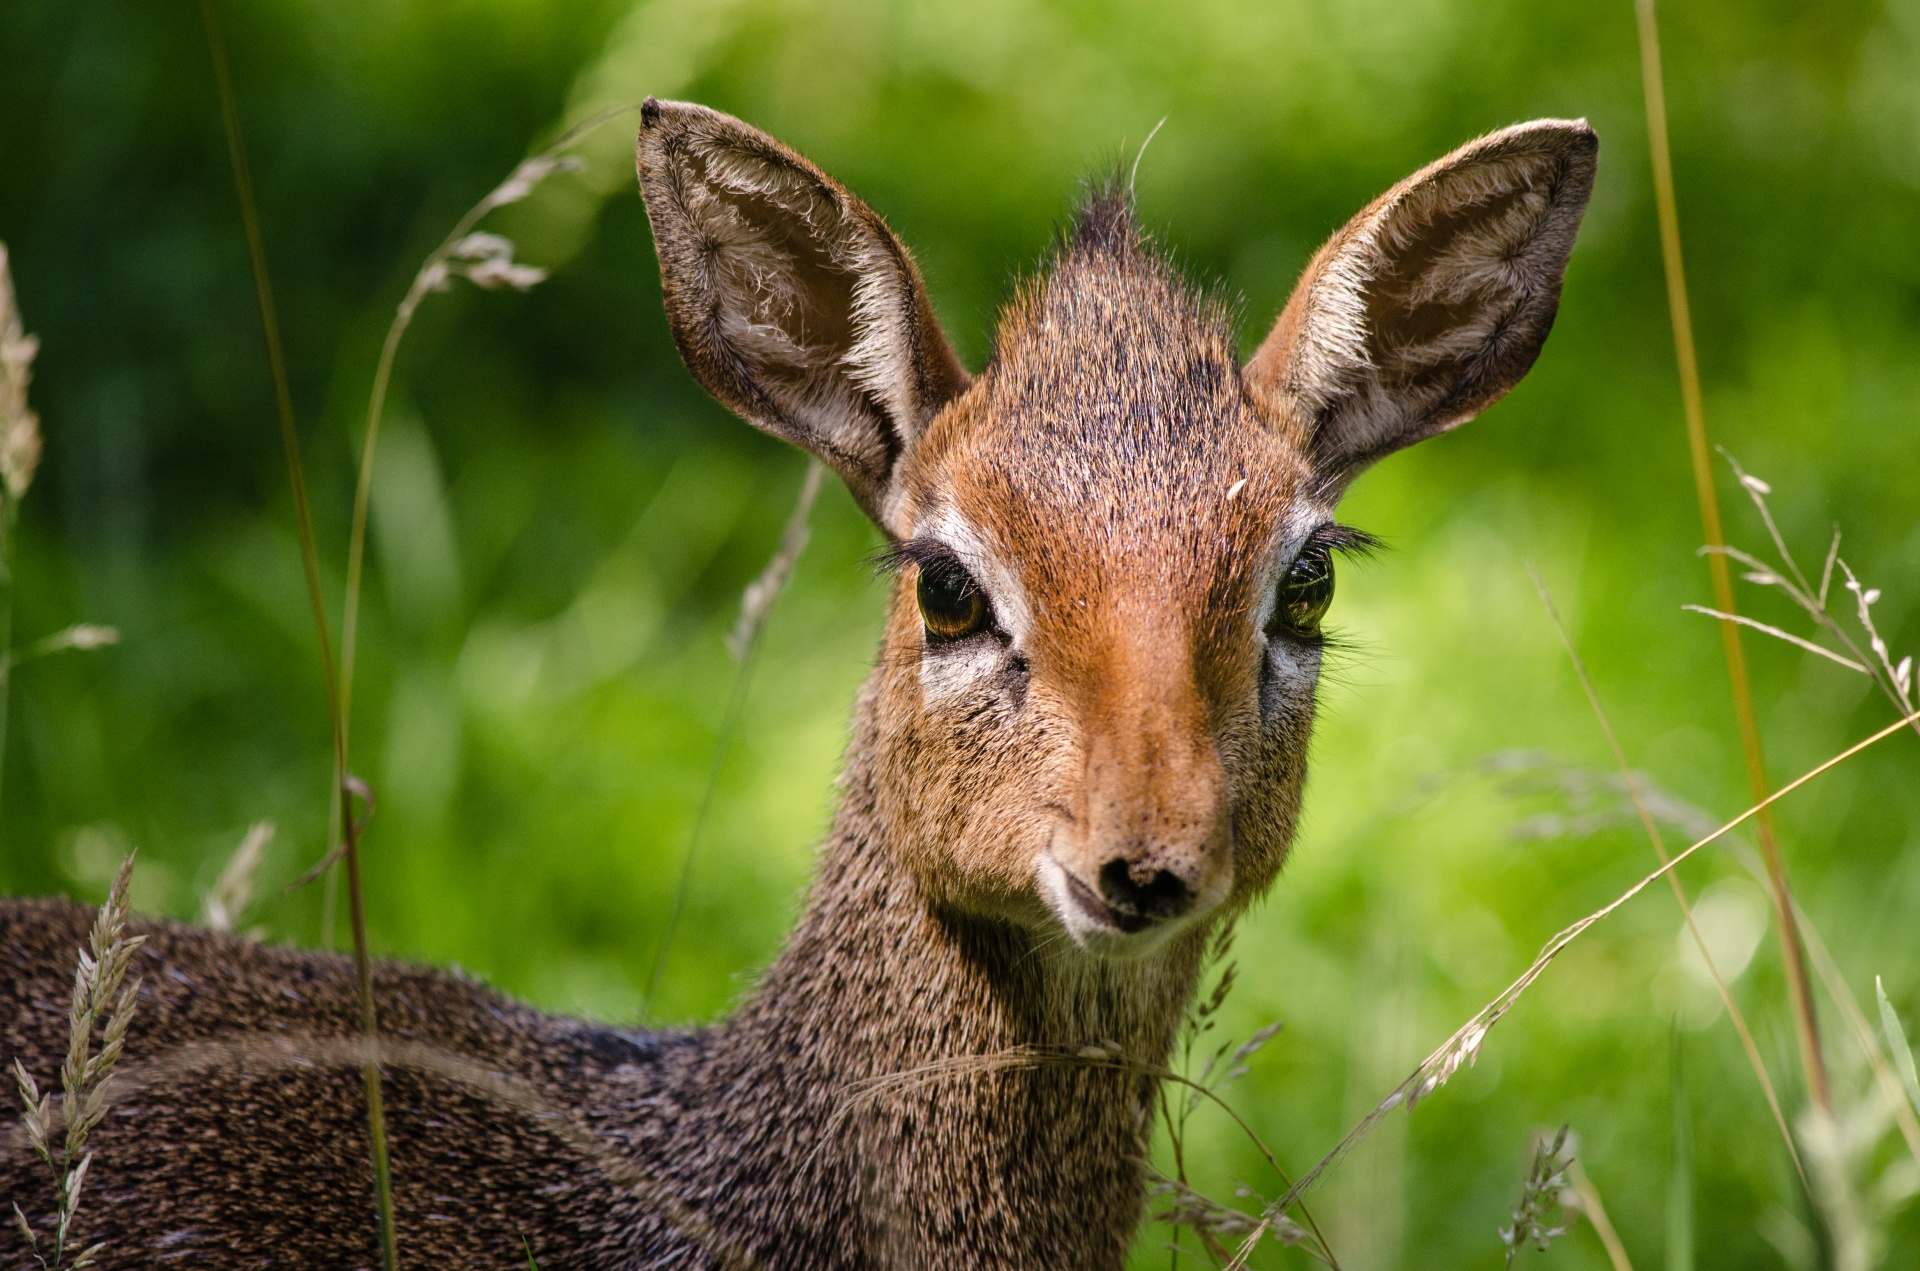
x=1115, y=546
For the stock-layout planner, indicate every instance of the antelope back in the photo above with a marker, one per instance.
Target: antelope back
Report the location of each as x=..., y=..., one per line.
x=1114, y=547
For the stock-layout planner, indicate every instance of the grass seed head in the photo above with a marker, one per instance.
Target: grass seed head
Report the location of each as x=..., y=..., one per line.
x=19, y=426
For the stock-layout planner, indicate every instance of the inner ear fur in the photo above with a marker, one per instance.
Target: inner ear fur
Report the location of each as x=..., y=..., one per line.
x=1431, y=303
x=790, y=299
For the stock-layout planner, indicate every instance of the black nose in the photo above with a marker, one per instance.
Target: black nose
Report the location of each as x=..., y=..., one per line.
x=1138, y=904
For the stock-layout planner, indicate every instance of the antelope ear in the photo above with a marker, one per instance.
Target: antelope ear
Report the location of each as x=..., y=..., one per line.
x=1432, y=302
x=790, y=299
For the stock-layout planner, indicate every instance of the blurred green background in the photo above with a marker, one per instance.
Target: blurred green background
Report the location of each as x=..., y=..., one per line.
x=563, y=524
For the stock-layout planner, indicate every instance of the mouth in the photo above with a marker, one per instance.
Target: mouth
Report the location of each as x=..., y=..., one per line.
x=1100, y=913
x=1092, y=923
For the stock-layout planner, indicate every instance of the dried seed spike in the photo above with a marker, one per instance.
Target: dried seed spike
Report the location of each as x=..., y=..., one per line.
x=19, y=426
x=481, y=245
x=75, y=1178
x=226, y=904
x=29, y=1090
x=26, y=1228
x=496, y=272
x=521, y=183
x=1237, y=1066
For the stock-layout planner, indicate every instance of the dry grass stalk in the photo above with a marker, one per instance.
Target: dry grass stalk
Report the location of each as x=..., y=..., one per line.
x=756, y=604
x=1583, y=1198
x=309, y=556
x=758, y=599
x=81, y=635
x=232, y=893
x=1215, y=1224
x=1463, y=1047
x=1540, y=1194
x=1652, y=828
x=1894, y=679
x=486, y=260
x=19, y=426
x=1209, y=1220
x=100, y=990
x=1806, y=1027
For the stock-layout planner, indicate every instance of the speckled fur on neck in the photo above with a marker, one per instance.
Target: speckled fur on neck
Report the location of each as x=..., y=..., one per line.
x=237, y=1137
x=1043, y=815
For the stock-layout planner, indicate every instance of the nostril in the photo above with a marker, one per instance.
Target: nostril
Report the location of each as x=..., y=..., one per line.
x=1134, y=903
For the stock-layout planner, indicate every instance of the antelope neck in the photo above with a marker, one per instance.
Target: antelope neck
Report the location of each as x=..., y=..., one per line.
x=912, y=1060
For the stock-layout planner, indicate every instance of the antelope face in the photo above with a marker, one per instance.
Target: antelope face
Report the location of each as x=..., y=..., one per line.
x=1115, y=548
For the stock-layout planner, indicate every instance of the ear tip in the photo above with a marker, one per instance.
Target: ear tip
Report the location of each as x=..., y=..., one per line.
x=1572, y=138
x=656, y=114
x=661, y=123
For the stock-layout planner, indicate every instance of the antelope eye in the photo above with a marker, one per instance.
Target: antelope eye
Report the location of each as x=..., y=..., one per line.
x=1305, y=593
x=951, y=603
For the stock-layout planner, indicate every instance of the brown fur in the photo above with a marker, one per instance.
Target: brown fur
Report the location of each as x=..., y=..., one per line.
x=926, y=1075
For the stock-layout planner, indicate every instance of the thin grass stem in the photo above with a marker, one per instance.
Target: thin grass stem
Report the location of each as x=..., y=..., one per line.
x=723, y=742
x=433, y=275
x=1654, y=837
x=290, y=440
x=430, y=277
x=1595, y=1212
x=1464, y=1045
x=756, y=605
x=1769, y=629
x=1805, y=1024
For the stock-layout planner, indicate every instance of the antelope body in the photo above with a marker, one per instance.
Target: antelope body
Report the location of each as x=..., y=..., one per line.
x=1081, y=749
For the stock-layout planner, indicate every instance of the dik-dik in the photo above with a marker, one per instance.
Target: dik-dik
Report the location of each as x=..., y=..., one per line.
x=1080, y=750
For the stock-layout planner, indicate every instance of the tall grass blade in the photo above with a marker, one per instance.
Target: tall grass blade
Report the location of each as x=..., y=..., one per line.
x=1680, y=1176
x=1805, y=1025
x=756, y=605
x=1897, y=1046
x=486, y=260
x=1652, y=828
x=290, y=440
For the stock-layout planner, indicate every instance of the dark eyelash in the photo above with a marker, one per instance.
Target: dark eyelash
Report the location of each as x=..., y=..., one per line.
x=914, y=551
x=1345, y=539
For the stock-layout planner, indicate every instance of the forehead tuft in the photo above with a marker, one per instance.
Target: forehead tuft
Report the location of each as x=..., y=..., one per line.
x=1111, y=340
x=1114, y=388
